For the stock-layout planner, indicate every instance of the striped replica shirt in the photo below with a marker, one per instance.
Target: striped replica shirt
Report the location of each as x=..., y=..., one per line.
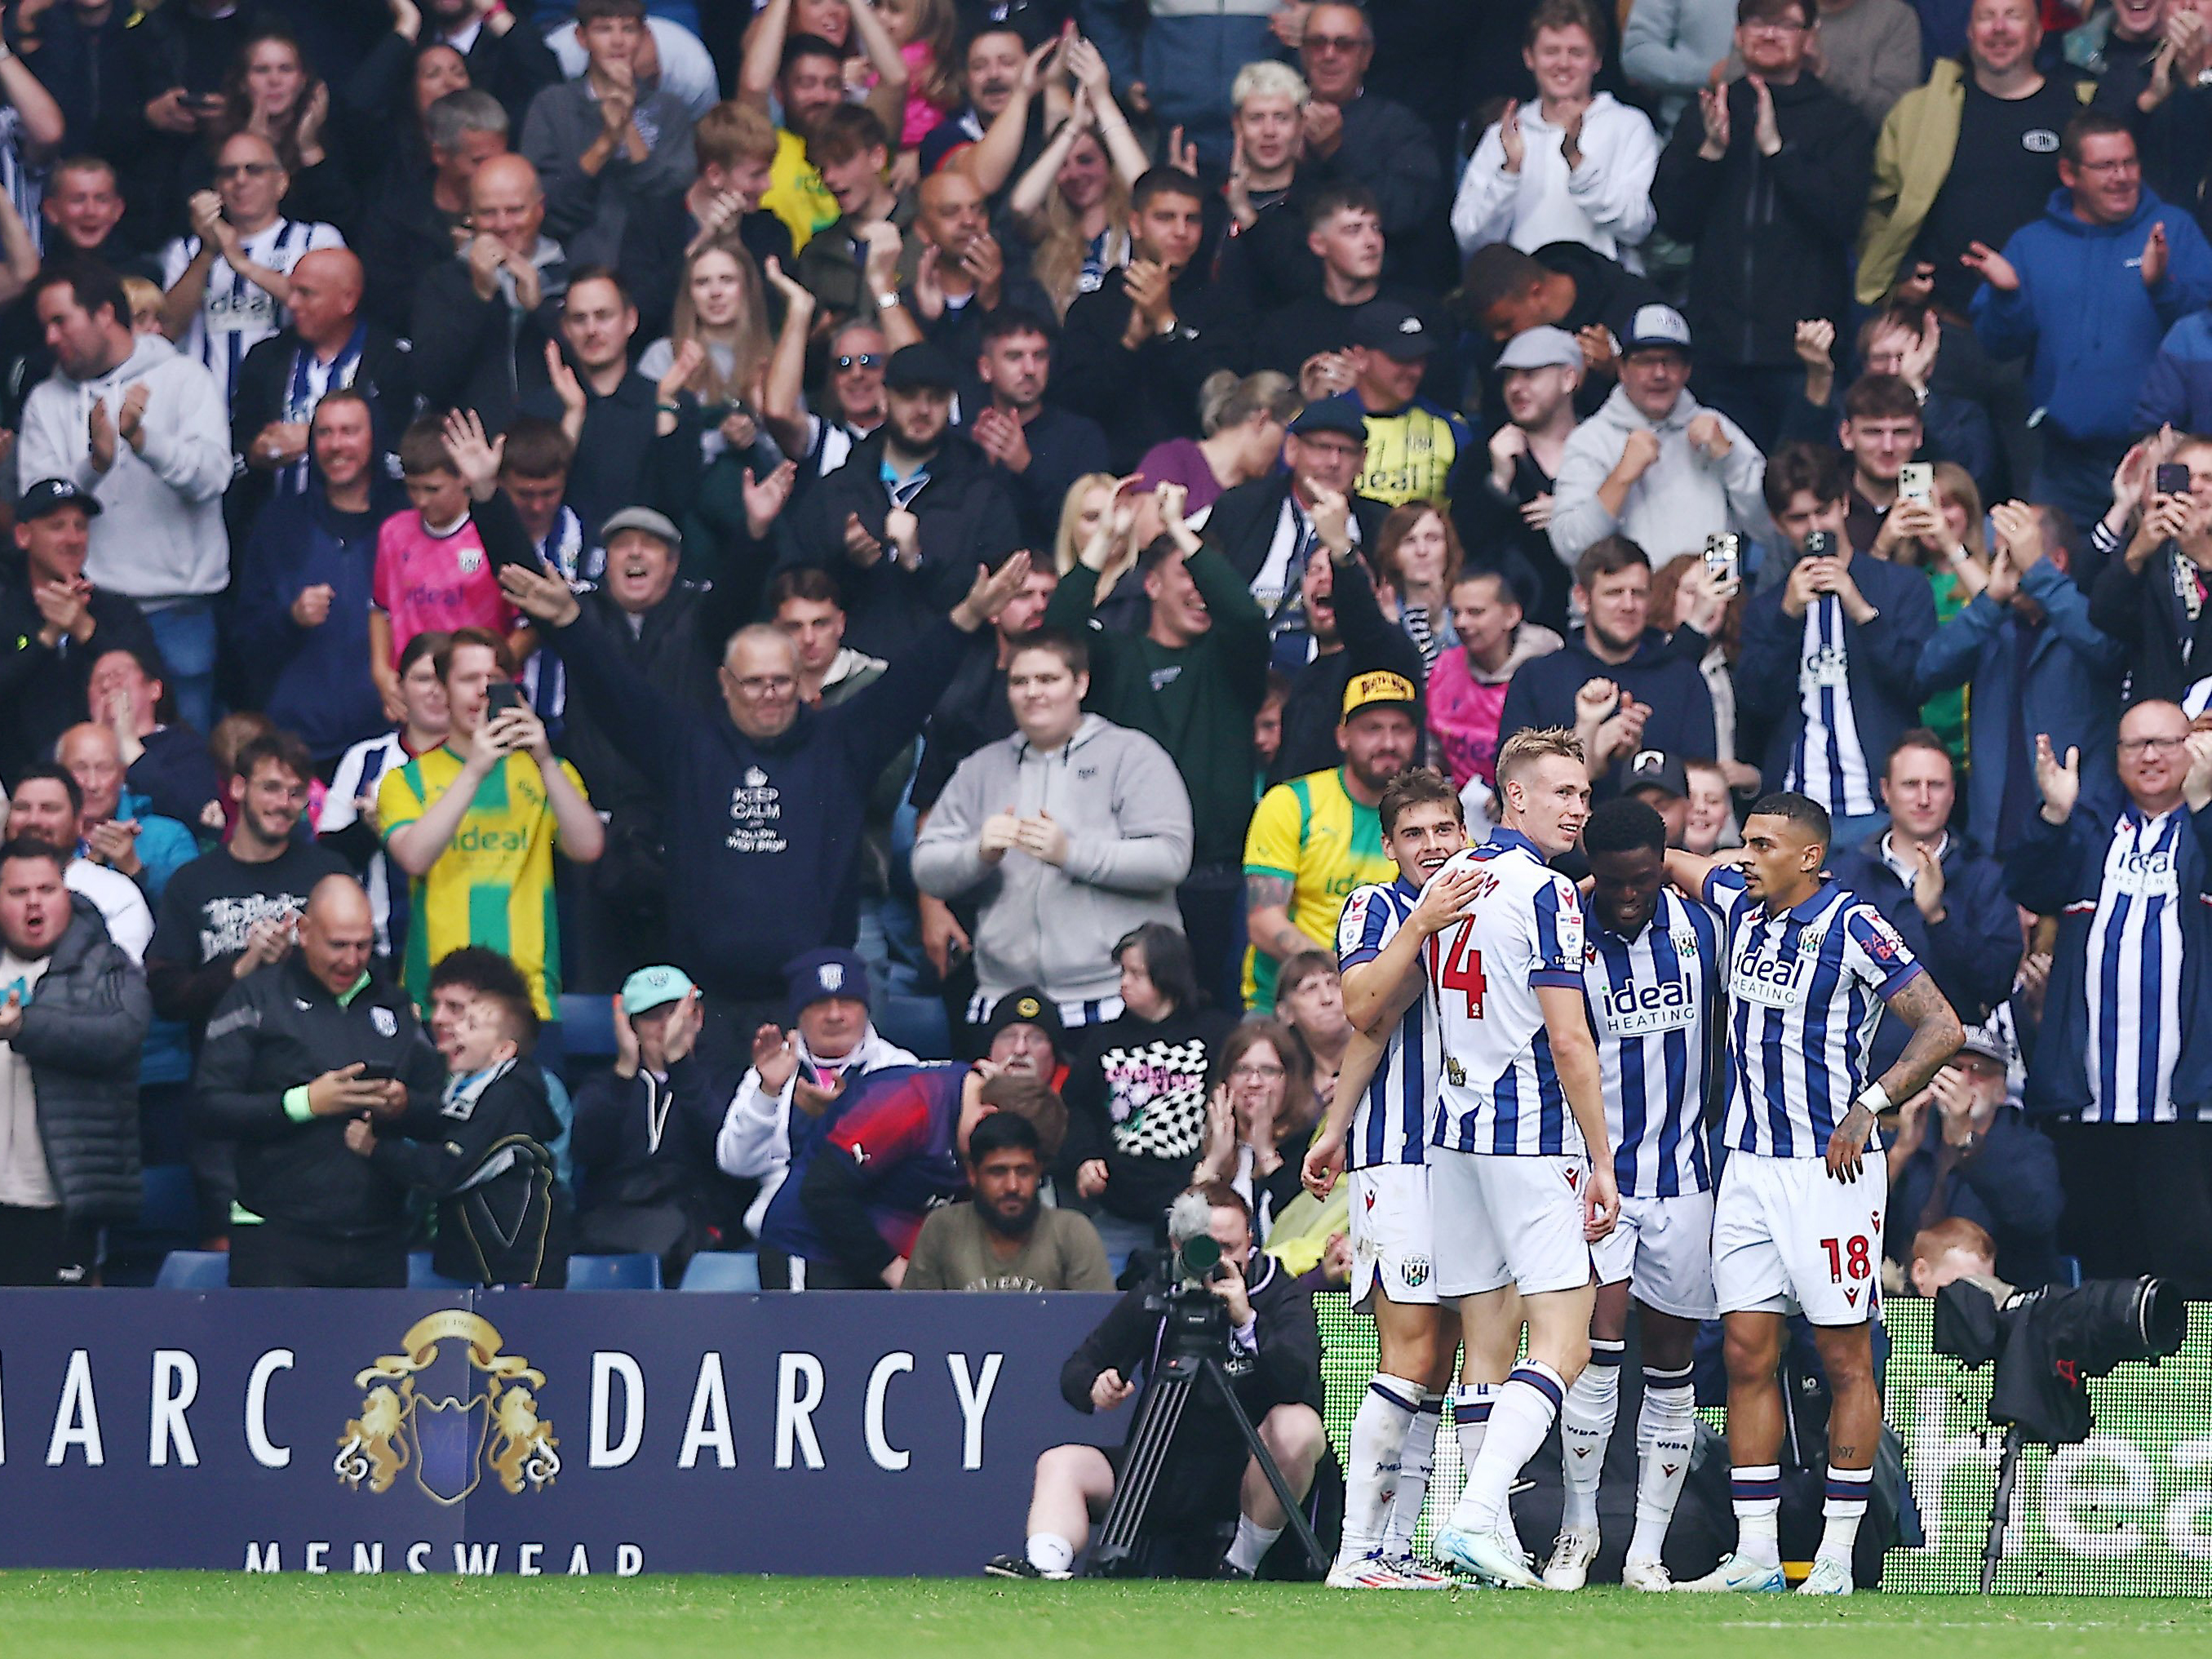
x=2134, y=983
x=1806, y=988
x=1390, y=1123
x=236, y=315
x=1829, y=764
x=1654, y=1005
x=1501, y=1091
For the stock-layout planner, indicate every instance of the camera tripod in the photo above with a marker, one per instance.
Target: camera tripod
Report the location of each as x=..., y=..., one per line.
x=1191, y=1346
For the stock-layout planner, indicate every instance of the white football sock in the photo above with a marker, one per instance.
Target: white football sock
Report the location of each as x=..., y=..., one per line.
x=1665, y=1426
x=1416, y=1461
x=1844, y=1508
x=1755, y=1494
x=1371, y=1463
x=1520, y=1417
x=1585, y=1425
x=1471, y=1404
x=1253, y=1543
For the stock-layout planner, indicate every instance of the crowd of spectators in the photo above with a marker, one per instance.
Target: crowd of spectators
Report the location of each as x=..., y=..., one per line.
x=669, y=627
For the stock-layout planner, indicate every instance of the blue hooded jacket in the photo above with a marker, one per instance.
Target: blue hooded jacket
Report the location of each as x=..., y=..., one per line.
x=2082, y=314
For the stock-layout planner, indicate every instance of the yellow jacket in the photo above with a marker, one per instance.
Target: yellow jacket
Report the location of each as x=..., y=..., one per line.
x=1912, y=159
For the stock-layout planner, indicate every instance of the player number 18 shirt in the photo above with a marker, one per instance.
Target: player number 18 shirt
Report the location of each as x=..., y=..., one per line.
x=1806, y=988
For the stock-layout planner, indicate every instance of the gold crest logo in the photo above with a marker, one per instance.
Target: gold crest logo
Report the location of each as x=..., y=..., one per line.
x=449, y=1440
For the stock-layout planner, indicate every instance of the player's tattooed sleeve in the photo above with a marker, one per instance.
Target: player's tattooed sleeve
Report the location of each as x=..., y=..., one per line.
x=1935, y=1037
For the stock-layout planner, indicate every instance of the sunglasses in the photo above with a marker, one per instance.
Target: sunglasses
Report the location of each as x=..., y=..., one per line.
x=246, y=170
x=866, y=359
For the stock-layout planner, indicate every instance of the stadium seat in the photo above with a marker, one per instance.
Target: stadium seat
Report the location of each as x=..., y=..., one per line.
x=421, y=1276
x=194, y=1270
x=722, y=1270
x=588, y=1027
x=614, y=1272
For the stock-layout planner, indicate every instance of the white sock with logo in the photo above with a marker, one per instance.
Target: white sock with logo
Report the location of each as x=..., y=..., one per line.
x=1586, y=1422
x=1050, y=1552
x=1372, y=1463
x=1665, y=1426
x=1416, y=1461
x=1520, y=1418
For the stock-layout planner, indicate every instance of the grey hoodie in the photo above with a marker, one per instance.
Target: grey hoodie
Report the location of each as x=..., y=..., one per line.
x=1682, y=497
x=1128, y=817
x=160, y=534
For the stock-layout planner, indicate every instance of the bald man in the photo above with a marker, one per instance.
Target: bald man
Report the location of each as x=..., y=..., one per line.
x=483, y=318
x=328, y=347
x=297, y=1048
x=230, y=280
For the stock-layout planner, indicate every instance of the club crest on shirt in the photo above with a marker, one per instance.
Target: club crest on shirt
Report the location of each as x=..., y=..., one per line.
x=386, y=1022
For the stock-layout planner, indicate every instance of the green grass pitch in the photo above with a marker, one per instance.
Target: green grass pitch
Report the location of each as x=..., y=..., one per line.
x=183, y=1615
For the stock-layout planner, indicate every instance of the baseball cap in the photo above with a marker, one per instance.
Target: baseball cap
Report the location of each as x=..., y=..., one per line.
x=50, y=495
x=1990, y=1040
x=1655, y=768
x=1544, y=346
x=1655, y=328
x=915, y=368
x=1379, y=689
x=1338, y=415
x=653, y=988
x=644, y=519
x=1028, y=1006
x=1394, y=330
x=826, y=973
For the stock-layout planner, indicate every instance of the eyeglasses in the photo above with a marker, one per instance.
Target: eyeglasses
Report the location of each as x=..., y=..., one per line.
x=2112, y=169
x=1255, y=1072
x=1332, y=42
x=764, y=685
x=866, y=359
x=2163, y=746
x=245, y=169
x=1773, y=26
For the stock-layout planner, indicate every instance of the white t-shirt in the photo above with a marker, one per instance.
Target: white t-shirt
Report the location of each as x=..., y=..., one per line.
x=25, y=1181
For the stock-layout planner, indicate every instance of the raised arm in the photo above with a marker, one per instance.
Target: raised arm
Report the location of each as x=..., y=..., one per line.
x=887, y=98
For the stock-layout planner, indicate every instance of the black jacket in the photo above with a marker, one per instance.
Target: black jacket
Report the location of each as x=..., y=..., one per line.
x=42, y=688
x=966, y=516
x=2140, y=609
x=2009, y=1186
x=1285, y=1371
x=1660, y=674
x=508, y=1227
x=404, y=237
x=481, y=354
x=1774, y=234
x=385, y=376
x=81, y=1032
x=1063, y=446
x=279, y=1028
x=1147, y=396
x=647, y=1140
x=1241, y=525
x=513, y=67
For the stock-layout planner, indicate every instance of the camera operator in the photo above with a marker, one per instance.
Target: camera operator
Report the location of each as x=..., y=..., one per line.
x=1274, y=1365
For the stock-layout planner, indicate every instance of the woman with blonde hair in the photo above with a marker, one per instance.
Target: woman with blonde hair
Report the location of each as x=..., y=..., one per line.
x=1244, y=418
x=1095, y=511
x=1072, y=202
x=720, y=312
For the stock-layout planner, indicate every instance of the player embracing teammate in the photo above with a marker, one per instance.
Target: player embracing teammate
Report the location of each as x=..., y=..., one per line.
x=1570, y=1065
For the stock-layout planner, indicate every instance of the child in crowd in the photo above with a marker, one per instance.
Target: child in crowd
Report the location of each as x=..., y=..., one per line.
x=437, y=564
x=502, y=1217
